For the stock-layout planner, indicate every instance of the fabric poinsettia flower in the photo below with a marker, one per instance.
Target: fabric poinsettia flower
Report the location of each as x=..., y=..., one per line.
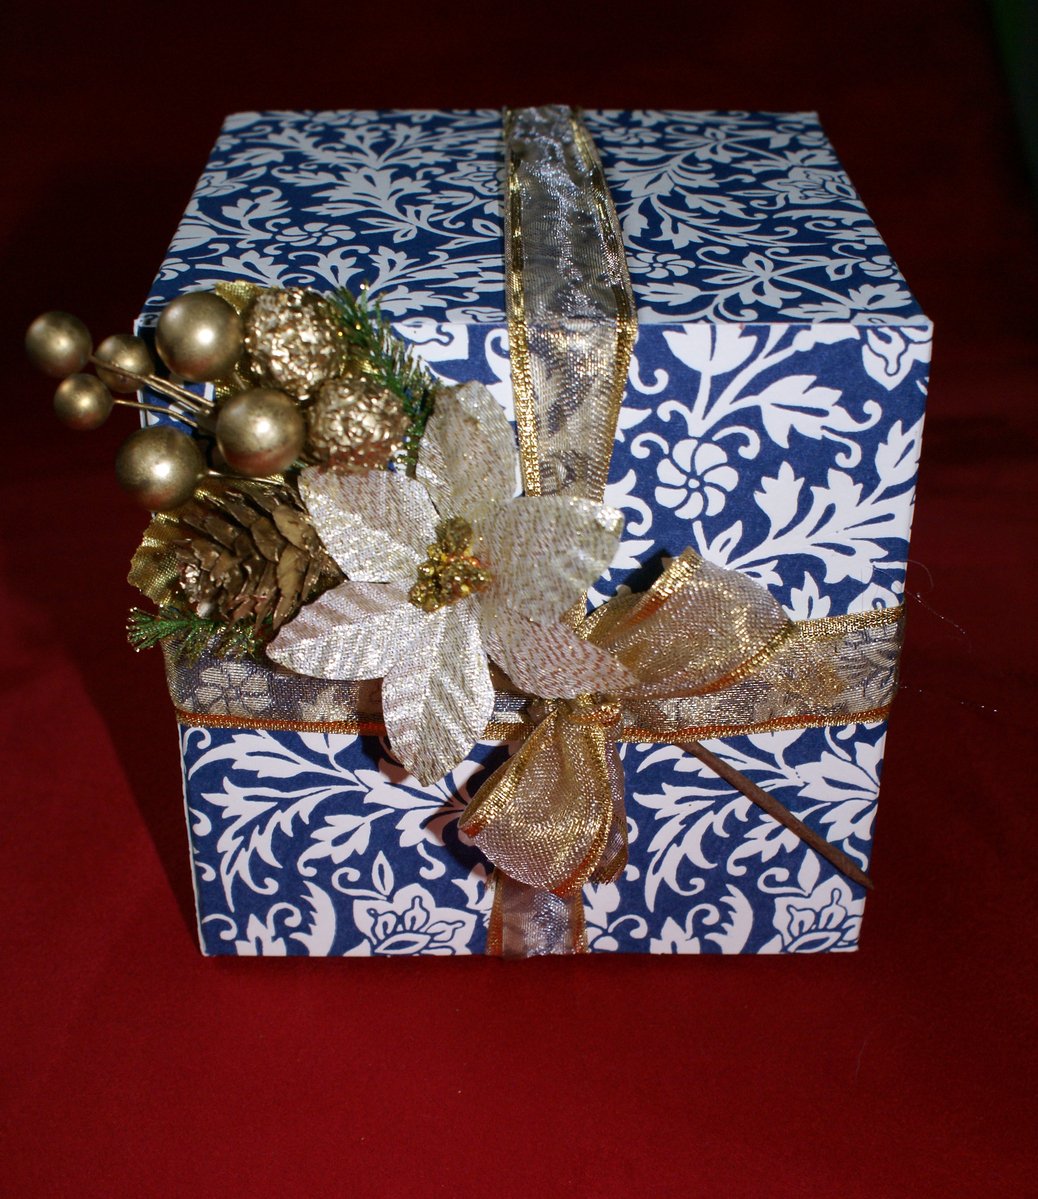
x=446, y=570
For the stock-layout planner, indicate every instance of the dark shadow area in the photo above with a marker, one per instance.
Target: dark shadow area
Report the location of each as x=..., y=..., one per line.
x=66, y=553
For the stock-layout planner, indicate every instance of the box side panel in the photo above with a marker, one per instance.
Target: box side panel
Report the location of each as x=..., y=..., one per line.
x=198, y=870
x=319, y=845
x=788, y=452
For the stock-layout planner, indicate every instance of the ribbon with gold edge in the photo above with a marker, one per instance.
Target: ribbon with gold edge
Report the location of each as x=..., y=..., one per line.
x=552, y=817
x=571, y=313
x=793, y=689
x=713, y=653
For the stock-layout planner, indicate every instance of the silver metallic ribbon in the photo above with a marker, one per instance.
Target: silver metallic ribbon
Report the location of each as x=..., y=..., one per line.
x=571, y=314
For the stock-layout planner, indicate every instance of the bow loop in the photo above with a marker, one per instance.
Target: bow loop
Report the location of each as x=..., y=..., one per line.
x=551, y=815
x=699, y=628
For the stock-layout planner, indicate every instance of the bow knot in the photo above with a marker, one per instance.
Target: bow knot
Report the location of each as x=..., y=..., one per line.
x=701, y=641
x=588, y=709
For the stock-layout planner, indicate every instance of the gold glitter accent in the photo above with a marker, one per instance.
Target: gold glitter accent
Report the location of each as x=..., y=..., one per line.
x=238, y=293
x=352, y=424
x=450, y=572
x=293, y=341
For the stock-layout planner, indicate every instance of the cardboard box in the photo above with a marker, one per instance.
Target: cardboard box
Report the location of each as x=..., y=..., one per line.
x=772, y=421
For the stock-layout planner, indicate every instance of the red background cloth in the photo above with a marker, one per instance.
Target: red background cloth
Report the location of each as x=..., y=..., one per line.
x=131, y=1065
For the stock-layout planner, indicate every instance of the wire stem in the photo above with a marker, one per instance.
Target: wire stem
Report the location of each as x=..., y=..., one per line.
x=198, y=404
x=181, y=416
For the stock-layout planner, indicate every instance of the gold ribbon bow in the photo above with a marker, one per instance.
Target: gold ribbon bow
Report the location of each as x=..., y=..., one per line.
x=705, y=644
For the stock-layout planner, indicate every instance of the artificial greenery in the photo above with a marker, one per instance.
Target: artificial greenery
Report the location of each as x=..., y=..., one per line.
x=191, y=635
x=388, y=362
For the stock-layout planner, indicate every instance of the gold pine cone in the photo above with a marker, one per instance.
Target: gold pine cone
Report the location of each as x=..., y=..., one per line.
x=239, y=549
x=293, y=341
x=353, y=424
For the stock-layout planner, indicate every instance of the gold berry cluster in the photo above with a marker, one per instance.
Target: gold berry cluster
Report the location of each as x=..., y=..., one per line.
x=267, y=353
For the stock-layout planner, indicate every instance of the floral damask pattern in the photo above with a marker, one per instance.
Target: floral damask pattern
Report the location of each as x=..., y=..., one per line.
x=821, y=436
x=772, y=449
x=320, y=845
x=774, y=437
x=730, y=216
x=772, y=421
x=408, y=202
x=739, y=216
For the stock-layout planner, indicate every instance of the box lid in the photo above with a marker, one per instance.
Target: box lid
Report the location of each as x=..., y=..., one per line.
x=726, y=216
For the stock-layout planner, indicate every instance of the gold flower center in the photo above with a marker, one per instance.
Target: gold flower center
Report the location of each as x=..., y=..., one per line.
x=450, y=572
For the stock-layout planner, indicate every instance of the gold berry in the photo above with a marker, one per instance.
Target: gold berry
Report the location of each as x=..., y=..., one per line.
x=199, y=337
x=159, y=466
x=260, y=432
x=128, y=352
x=82, y=402
x=58, y=344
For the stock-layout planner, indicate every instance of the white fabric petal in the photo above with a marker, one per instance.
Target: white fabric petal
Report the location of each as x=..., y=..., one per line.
x=549, y=660
x=354, y=631
x=545, y=551
x=468, y=456
x=376, y=525
x=438, y=697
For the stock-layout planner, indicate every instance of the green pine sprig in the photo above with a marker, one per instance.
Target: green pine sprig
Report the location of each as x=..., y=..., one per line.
x=388, y=362
x=191, y=635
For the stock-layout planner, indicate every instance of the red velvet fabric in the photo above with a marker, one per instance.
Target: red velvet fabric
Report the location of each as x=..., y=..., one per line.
x=131, y=1065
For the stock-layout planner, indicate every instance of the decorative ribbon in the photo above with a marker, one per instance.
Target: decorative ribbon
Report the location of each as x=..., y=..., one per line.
x=857, y=652
x=571, y=314
x=713, y=654
x=701, y=639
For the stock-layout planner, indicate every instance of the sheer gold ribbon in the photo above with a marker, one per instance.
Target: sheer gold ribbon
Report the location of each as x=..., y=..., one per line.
x=835, y=670
x=571, y=313
x=702, y=642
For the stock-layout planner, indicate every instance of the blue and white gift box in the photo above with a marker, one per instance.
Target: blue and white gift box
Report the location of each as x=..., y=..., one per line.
x=771, y=421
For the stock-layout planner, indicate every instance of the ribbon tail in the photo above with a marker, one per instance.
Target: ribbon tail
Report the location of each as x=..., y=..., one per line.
x=550, y=819
x=528, y=921
x=545, y=817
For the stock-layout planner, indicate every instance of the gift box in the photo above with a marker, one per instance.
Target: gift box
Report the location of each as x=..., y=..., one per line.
x=772, y=366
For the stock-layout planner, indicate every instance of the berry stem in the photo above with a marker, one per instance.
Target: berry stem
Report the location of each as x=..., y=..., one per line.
x=198, y=404
x=181, y=416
